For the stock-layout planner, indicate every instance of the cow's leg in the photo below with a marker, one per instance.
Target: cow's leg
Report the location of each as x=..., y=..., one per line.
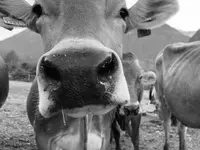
x=111, y=136
x=166, y=123
x=182, y=130
x=116, y=135
x=135, y=124
x=40, y=143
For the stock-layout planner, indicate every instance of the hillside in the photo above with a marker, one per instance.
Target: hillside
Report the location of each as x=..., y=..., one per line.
x=187, y=33
x=147, y=48
x=195, y=37
x=28, y=45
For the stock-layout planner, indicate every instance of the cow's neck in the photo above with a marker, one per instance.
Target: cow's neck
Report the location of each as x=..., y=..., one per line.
x=88, y=133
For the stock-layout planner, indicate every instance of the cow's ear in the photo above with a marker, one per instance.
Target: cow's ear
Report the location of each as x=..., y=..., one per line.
x=149, y=14
x=148, y=78
x=16, y=13
x=143, y=32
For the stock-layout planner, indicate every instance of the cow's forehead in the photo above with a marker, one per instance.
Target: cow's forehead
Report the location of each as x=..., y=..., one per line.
x=132, y=68
x=106, y=3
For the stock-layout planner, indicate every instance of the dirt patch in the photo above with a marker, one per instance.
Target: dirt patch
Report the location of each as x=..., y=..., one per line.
x=16, y=132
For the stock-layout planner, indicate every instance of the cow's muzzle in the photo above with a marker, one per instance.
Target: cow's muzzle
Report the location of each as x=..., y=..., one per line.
x=77, y=75
x=130, y=110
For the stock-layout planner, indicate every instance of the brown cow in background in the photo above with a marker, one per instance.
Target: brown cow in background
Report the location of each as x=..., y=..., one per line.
x=136, y=78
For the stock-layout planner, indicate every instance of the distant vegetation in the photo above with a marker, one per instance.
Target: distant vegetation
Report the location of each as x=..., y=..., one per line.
x=19, y=69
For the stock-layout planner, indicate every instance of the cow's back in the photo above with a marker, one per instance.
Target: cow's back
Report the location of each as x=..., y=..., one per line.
x=178, y=81
x=4, y=81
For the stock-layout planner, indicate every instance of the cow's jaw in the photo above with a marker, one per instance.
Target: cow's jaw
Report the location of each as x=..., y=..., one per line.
x=94, y=110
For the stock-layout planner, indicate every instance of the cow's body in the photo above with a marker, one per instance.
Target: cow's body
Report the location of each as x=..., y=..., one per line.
x=4, y=82
x=80, y=73
x=156, y=103
x=177, y=86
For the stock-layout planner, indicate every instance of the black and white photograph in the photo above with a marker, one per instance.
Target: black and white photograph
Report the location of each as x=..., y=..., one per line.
x=99, y=75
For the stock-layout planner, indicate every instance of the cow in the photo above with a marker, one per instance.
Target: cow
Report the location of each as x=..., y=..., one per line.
x=177, y=87
x=4, y=81
x=79, y=78
x=135, y=77
x=151, y=76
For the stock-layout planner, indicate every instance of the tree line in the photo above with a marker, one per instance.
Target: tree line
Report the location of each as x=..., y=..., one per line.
x=19, y=69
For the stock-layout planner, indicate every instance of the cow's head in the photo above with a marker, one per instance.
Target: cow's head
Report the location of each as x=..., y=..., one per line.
x=133, y=75
x=153, y=97
x=149, y=78
x=81, y=69
x=136, y=77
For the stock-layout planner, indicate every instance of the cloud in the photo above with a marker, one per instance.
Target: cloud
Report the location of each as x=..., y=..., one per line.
x=30, y=1
x=188, y=16
x=130, y=3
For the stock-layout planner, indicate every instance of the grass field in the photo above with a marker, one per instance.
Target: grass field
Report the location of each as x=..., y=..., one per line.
x=16, y=132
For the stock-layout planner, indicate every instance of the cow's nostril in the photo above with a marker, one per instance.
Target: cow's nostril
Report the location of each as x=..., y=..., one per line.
x=49, y=70
x=108, y=67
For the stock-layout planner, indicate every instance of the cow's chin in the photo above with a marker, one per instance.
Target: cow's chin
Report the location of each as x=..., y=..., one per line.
x=92, y=109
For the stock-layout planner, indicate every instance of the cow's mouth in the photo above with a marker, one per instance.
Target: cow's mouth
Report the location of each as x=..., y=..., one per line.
x=94, y=110
x=80, y=111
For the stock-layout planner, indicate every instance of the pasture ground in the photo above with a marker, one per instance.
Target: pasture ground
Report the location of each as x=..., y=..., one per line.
x=16, y=132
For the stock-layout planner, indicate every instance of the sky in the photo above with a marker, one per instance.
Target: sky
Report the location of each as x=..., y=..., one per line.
x=187, y=19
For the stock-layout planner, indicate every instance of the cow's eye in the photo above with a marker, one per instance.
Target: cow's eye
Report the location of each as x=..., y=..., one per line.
x=37, y=9
x=140, y=78
x=124, y=13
